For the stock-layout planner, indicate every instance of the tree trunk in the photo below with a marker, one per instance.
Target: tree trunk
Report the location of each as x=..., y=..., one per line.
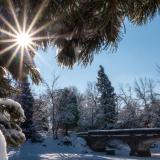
x=56, y=131
x=66, y=131
x=53, y=120
x=92, y=117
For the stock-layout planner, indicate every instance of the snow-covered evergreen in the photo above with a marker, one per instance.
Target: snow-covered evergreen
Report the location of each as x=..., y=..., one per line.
x=11, y=114
x=27, y=101
x=67, y=109
x=107, y=105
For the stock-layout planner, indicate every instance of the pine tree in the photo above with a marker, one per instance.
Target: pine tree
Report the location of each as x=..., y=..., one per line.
x=27, y=101
x=87, y=25
x=68, y=114
x=107, y=104
x=11, y=116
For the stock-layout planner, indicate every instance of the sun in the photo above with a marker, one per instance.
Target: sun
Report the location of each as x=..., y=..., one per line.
x=23, y=39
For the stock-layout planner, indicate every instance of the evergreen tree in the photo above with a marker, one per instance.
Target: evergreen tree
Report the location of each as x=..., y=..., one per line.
x=11, y=116
x=67, y=113
x=107, y=104
x=27, y=101
x=11, y=113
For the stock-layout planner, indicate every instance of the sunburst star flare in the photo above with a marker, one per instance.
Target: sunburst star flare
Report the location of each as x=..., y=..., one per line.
x=23, y=39
x=21, y=36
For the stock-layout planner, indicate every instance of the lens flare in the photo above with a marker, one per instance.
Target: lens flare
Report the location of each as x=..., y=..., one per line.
x=23, y=39
x=19, y=36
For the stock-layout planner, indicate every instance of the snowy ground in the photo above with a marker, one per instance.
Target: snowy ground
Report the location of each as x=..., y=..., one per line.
x=55, y=150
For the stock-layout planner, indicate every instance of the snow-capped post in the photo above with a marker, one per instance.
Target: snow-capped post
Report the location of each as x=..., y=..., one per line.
x=3, y=150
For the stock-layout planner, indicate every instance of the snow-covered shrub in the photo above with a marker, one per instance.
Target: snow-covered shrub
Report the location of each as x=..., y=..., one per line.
x=38, y=137
x=11, y=115
x=81, y=145
x=66, y=140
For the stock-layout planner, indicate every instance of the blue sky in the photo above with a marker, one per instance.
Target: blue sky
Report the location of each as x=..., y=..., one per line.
x=136, y=57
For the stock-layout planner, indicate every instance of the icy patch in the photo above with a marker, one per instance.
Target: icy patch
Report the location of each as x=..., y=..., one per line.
x=65, y=156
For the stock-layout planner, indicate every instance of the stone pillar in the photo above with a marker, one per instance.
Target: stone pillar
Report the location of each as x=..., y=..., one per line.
x=144, y=152
x=97, y=144
x=139, y=149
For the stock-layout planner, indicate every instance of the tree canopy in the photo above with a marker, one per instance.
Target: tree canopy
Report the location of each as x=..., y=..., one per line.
x=79, y=28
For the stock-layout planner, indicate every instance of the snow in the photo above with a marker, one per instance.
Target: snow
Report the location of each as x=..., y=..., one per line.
x=3, y=153
x=125, y=130
x=14, y=107
x=11, y=114
x=10, y=102
x=52, y=149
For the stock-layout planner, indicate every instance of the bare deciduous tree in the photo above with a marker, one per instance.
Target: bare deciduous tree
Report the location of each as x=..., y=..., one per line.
x=92, y=95
x=50, y=89
x=145, y=91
